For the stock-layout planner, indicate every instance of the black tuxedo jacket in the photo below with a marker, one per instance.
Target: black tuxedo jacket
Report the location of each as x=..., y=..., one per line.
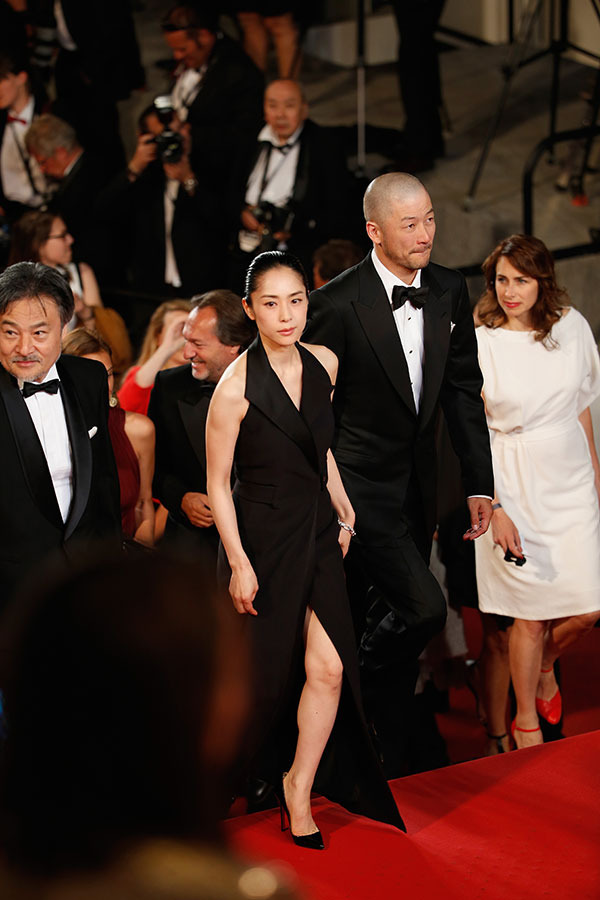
x=227, y=110
x=381, y=443
x=74, y=201
x=104, y=33
x=32, y=526
x=137, y=210
x=322, y=194
x=178, y=407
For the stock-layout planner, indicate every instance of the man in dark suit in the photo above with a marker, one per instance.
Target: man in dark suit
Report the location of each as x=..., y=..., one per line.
x=218, y=90
x=59, y=489
x=403, y=332
x=79, y=176
x=97, y=64
x=166, y=219
x=22, y=185
x=290, y=186
x=216, y=331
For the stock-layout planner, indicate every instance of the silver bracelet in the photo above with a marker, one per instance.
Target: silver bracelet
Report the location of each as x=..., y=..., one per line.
x=347, y=527
x=496, y=506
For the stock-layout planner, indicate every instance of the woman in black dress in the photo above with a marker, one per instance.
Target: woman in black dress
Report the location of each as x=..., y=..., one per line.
x=271, y=416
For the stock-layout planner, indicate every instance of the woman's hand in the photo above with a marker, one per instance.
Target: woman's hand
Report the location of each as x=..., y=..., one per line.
x=505, y=533
x=243, y=586
x=344, y=539
x=173, y=338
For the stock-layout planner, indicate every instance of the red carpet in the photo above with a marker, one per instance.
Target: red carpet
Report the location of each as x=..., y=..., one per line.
x=464, y=736
x=522, y=825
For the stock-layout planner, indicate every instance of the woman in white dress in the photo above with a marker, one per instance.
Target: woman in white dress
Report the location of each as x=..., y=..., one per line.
x=541, y=373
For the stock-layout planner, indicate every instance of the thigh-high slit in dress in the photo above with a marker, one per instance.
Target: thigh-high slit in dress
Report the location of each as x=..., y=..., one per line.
x=290, y=533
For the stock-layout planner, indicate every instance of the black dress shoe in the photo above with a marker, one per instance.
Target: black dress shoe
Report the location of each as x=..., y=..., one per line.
x=259, y=795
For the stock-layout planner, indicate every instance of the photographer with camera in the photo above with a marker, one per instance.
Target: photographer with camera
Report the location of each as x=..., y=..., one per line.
x=167, y=215
x=291, y=188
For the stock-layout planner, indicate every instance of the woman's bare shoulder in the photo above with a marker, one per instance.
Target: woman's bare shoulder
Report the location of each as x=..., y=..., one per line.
x=139, y=426
x=232, y=384
x=326, y=357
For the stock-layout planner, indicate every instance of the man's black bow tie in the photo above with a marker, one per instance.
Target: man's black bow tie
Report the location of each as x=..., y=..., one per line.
x=47, y=387
x=417, y=297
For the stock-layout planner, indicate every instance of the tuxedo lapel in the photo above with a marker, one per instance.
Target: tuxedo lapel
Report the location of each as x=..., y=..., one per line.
x=436, y=338
x=375, y=315
x=266, y=392
x=81, y=451
x=32, y=457
x=301, y=179
x=193, y=409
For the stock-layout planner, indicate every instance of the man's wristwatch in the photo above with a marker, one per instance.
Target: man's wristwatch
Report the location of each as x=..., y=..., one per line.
x=190, y=185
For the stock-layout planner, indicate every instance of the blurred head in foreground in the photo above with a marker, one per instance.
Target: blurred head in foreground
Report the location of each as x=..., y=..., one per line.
x=125, y=698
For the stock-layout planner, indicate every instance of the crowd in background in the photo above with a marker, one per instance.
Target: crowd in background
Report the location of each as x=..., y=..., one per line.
x=155, y=249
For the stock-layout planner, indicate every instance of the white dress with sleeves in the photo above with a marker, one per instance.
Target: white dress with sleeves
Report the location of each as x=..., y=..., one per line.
x=542, y=470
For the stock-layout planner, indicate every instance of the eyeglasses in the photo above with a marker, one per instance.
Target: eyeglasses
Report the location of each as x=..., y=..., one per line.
x=59, y=237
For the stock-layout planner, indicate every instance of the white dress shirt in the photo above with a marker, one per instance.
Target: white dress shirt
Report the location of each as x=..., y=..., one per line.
x=409, y=324
x=276, y=184
x=172, y=275
x=15, y=181
x=48, y=415
x=62, y=31
x=186, y=89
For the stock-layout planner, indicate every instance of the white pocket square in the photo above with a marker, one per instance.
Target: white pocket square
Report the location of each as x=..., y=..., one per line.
x=92, y=431
x=452, y=326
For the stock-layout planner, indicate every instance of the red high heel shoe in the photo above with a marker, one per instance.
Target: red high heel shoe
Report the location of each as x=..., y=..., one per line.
x=550, y=710
x=514, y=727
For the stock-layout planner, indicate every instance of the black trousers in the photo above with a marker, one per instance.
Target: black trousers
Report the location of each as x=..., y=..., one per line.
x=397, y=606
x=419, y=74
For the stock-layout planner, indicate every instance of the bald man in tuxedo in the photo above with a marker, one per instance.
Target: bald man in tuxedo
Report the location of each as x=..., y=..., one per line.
x=403, y=332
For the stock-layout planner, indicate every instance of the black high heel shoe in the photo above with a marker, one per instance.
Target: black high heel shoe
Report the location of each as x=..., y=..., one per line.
x=312, y=841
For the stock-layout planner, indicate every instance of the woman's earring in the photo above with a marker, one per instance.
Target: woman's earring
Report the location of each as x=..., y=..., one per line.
x=113, y=401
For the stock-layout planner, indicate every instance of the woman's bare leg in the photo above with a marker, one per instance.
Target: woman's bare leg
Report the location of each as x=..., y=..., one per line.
x=284, y=32
x=256, y=38
x=526, y=646
x=495, y=680
x=317, y=710
x=561, y=634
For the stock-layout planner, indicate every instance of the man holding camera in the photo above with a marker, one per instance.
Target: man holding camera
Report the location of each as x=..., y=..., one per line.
x=291, y=187
x=167, y=214
x=217, y=90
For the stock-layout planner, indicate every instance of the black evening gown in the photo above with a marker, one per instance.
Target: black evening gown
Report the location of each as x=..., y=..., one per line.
x=290, y=533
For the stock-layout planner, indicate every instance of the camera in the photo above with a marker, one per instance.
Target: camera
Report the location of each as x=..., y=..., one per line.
x=169, y=146
x=169, y=143
x=273, y=219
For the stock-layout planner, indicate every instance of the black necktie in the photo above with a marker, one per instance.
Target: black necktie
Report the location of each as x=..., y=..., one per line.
x=47, y=387
x=415, y=296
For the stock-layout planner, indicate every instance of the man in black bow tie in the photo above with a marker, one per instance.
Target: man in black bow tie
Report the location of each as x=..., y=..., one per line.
x=216, y=331
x=290, y=187
x=59, y=488
x=403, y=332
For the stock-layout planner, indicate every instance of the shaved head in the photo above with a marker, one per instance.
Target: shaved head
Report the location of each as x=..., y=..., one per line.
x=400, y=222
x=387, y=190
